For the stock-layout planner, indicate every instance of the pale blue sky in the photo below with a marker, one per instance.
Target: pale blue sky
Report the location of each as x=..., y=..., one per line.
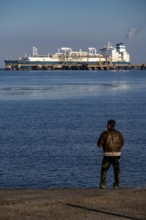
x=51, y=24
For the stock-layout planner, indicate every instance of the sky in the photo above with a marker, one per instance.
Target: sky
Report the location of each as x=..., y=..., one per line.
x=79, y=24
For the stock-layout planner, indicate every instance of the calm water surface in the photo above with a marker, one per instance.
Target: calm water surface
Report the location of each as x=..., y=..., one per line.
x=50, y=122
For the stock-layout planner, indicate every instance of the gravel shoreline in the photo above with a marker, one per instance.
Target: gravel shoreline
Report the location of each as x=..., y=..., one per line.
x=73, y=204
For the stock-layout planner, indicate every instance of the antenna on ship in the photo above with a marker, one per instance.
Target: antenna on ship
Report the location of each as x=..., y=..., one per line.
x=34, y=52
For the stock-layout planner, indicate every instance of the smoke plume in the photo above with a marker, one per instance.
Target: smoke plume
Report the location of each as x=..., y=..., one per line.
x=132, y=32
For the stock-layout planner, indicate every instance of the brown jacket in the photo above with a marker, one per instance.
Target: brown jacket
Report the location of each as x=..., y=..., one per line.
x=111, y=141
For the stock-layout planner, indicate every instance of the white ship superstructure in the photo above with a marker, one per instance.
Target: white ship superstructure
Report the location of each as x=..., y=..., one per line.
x=120, y=48
x=115, y=54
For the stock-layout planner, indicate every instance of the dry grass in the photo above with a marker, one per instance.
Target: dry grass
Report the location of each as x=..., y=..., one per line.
x=73, y=204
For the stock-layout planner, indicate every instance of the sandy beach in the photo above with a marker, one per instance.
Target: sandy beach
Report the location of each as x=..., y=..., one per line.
x=73, y=204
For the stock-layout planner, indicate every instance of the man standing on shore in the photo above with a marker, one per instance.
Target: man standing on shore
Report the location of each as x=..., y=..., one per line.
x=111, y=141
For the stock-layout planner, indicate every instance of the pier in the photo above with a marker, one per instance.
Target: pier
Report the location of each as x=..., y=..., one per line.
x=73, y=66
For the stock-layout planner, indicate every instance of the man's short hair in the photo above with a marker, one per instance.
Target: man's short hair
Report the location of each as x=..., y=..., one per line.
x=112, y=123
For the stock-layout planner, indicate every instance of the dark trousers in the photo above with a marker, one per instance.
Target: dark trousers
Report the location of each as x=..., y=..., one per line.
x=106, y=163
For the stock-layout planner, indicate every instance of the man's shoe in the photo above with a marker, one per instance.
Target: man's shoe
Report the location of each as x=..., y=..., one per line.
x=115, y=186
x=102, y=187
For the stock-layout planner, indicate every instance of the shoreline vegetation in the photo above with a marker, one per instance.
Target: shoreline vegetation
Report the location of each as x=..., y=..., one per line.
x=73, y=204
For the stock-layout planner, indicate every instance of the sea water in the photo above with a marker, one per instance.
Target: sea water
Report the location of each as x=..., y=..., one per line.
x=50, y=122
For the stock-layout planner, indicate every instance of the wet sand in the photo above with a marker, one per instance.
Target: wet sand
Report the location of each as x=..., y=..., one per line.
x=73, y=204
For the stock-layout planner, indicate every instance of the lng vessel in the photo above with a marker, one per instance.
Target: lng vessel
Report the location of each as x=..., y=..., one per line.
x=67, y=56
